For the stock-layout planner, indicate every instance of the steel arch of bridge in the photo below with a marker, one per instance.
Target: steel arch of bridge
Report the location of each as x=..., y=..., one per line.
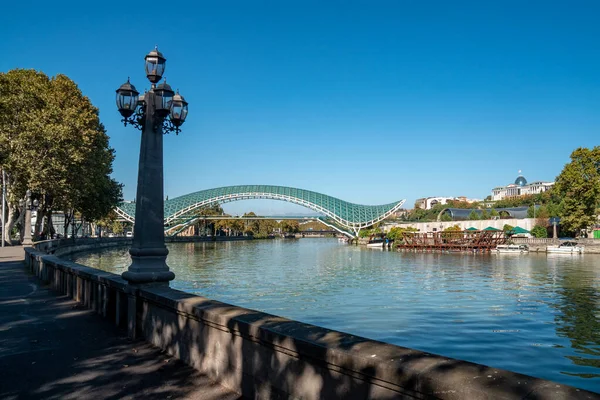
x=348, y=215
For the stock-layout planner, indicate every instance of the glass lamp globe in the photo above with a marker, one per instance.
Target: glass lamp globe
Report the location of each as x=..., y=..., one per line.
x=155, y=65
x=127, y=99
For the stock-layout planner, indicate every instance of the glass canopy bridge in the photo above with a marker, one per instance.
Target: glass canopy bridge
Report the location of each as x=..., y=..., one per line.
x=345, y=217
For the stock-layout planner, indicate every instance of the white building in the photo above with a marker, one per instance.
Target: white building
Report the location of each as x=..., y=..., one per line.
x=427, y=203
x=520, y=188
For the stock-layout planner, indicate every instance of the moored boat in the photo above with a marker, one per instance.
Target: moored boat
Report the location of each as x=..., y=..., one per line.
x=512, y=248
x=379, y=243
x=566, y=247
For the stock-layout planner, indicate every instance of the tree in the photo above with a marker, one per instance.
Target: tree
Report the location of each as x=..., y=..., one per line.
x=397, y=232
x=473, y=216
x=484, y=214
x=117, y=227
x=453, y=228
x=290, y=226
x=363, y=233
x=222, y=224
x=314, y=226
x=539, y=231
x=252, y=225
x=578, y=186
x=267, y=226
x=452, y=232
x=107, y=222
x=494, y=214
x=52, y=142
x=418, y=214
x=237, y=226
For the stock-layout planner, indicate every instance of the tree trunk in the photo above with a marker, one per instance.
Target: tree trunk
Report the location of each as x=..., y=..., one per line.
x=67, y=221
x=39, y=218
x=73, y=231
x=21, y=223
x=12, y=219
x=49, y=224
x=11, y=209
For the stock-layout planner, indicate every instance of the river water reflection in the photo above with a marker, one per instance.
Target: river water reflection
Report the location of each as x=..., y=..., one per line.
x=534, y=314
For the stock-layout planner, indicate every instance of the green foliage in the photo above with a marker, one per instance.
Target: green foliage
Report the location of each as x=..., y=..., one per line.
x=236, y=225
x=484, y=214
x=450, y=232
x=554, y=209
x=453, y=228
x=473, y=216
x=364, y=233
x=259, y=228
x=290, y=226
x=543, y=211
x=507, y=228
x=396, y=232
x=52, y=142
x=212, y=209
x=494, y=213
x=421, y=215
x=117, y=227
x=314, y=226
x=418, y=214
x=578, y=186
x=539, y=231
x=461, y=204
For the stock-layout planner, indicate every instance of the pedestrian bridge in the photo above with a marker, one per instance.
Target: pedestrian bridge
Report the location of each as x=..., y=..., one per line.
x=184, y=210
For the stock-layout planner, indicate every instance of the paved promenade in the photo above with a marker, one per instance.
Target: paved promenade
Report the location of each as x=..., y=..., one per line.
x=52, y=349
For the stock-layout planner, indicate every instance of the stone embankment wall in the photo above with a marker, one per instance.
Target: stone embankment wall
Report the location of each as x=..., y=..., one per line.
x=592, y=246
x=60, y=247
x=265, y=356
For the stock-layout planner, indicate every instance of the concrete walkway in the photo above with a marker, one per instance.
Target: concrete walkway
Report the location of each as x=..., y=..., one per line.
x=50, y=348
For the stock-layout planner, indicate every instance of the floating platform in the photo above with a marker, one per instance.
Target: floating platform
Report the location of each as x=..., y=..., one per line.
x=453, y=241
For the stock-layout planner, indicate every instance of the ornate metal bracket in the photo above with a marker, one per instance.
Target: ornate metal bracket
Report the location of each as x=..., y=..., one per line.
x=169, y=126
x=137, y=119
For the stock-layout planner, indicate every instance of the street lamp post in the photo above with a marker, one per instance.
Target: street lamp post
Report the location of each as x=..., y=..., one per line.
x=156, y=111
x=29, y=205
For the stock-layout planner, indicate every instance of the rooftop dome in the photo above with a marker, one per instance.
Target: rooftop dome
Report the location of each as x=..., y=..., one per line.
x=520, y=181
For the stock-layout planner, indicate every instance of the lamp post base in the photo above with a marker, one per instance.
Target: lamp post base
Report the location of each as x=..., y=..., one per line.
x=148, y=266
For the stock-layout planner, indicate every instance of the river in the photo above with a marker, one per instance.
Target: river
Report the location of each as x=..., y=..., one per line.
x=535, y=314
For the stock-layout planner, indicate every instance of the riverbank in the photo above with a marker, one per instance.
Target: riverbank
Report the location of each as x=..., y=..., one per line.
x=297, y=359
x=54, y=347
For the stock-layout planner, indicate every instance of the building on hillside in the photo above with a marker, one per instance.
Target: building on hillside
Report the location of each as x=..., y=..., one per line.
x=463, y=214
x=400, y=213
x=520, y=188
x=427, y=203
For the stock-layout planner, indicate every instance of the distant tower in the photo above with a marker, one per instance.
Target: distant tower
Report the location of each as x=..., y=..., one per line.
x=520, y=181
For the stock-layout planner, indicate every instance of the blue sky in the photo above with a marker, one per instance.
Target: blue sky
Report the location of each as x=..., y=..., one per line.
x=368, y=101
